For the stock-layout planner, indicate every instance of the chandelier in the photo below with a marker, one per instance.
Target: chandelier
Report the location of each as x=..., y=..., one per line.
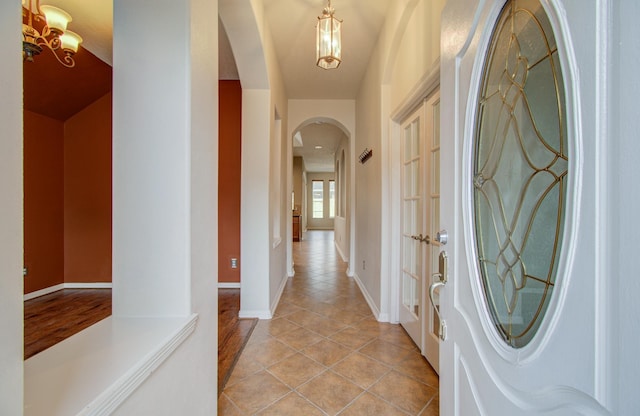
x=54, y=36
x=328, y=40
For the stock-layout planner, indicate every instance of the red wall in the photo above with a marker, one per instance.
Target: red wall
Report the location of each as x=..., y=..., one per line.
x=43, y=202
x=229, y=134
x=67, y=187
x=87, y=194
x=67, y=197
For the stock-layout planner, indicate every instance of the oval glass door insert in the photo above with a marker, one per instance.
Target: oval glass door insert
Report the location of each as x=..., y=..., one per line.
x=520, y=170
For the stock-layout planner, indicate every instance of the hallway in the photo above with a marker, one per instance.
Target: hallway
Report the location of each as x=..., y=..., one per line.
x=325, y=354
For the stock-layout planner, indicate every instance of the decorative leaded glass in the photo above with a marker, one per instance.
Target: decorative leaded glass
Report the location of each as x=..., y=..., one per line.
x=520, y=170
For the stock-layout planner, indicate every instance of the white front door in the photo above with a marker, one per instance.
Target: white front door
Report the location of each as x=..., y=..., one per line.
x=524, y=307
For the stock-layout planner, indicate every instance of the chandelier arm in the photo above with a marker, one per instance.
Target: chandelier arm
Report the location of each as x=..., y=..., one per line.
x=53, y=43
x=67, y=60
x=54, y=46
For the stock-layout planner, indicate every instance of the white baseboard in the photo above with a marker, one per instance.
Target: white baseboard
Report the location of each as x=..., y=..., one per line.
x=229, y=285
x=264, y=314
x=344, y=258
x=367, y=297
x=276, y=301
x=55, y=288
x=43, y=292
x=98, y=285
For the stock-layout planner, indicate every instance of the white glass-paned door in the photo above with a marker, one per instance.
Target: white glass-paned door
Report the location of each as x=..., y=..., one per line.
x=411, y=287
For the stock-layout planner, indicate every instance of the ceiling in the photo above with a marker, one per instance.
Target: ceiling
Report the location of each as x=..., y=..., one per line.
x=292, y=24
x=320, y=141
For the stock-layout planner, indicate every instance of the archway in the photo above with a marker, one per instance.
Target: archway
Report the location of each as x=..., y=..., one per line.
x=321, y=152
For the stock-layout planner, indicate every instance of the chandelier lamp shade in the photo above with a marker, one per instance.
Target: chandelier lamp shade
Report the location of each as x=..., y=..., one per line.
x=328, y=39
x=54, y=34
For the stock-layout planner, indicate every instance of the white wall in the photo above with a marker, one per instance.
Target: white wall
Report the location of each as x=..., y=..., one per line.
x=264, y=259
x=342, y=111
x=368, y=190
x=11, y=240
x=280, y=212
x=151, y=176
x=407, y=48
x=280, y=208
x=418, y=50
x=255, y=240
x=165, y=191
x=343, y=222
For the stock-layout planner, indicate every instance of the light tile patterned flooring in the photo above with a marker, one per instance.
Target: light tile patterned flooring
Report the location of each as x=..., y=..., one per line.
x=325, y=354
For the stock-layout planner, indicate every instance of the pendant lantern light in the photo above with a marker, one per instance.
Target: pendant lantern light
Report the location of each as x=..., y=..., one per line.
x=328, y=39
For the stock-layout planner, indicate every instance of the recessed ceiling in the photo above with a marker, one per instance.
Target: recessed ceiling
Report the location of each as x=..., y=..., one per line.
x=324, y=135
x=293, y=27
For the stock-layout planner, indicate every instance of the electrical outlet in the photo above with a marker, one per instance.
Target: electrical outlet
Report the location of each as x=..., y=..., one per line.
x=234, y=263
x=24, y=271
x=364, y=265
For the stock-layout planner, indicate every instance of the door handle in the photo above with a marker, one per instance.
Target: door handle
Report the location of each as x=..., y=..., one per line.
x=442, y=275
x=425, y=239
x=443, y=328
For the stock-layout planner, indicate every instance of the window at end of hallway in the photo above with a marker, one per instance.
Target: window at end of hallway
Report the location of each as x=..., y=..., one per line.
x=317, y=188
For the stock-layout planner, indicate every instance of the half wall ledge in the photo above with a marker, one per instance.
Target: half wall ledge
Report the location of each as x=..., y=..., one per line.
x=94, y=371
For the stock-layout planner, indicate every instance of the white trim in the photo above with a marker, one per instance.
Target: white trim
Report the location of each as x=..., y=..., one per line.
x=426, y=86
x=260, y=314
x=381, y=317
x=276, y=301
x=277, y=241
x=96, y=285
x=55, y=288
x=344, y=258
x=107, y=402
x=42, y=292
x=229, y=285
x=108, y=361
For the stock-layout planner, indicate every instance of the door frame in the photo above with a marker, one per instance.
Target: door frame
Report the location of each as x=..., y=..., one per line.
x=426, y=86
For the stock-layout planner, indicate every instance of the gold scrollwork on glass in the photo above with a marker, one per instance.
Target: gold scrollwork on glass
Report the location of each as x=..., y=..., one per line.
x=520, y=170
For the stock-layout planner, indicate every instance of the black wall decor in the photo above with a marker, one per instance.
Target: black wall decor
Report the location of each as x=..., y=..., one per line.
x=365, y=155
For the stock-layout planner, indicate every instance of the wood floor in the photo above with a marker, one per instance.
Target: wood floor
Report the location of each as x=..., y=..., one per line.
x=233, y=333
x=52, y=318
x=55, y=317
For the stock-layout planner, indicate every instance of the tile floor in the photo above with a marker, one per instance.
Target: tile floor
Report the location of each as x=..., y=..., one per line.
x=325, y=354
